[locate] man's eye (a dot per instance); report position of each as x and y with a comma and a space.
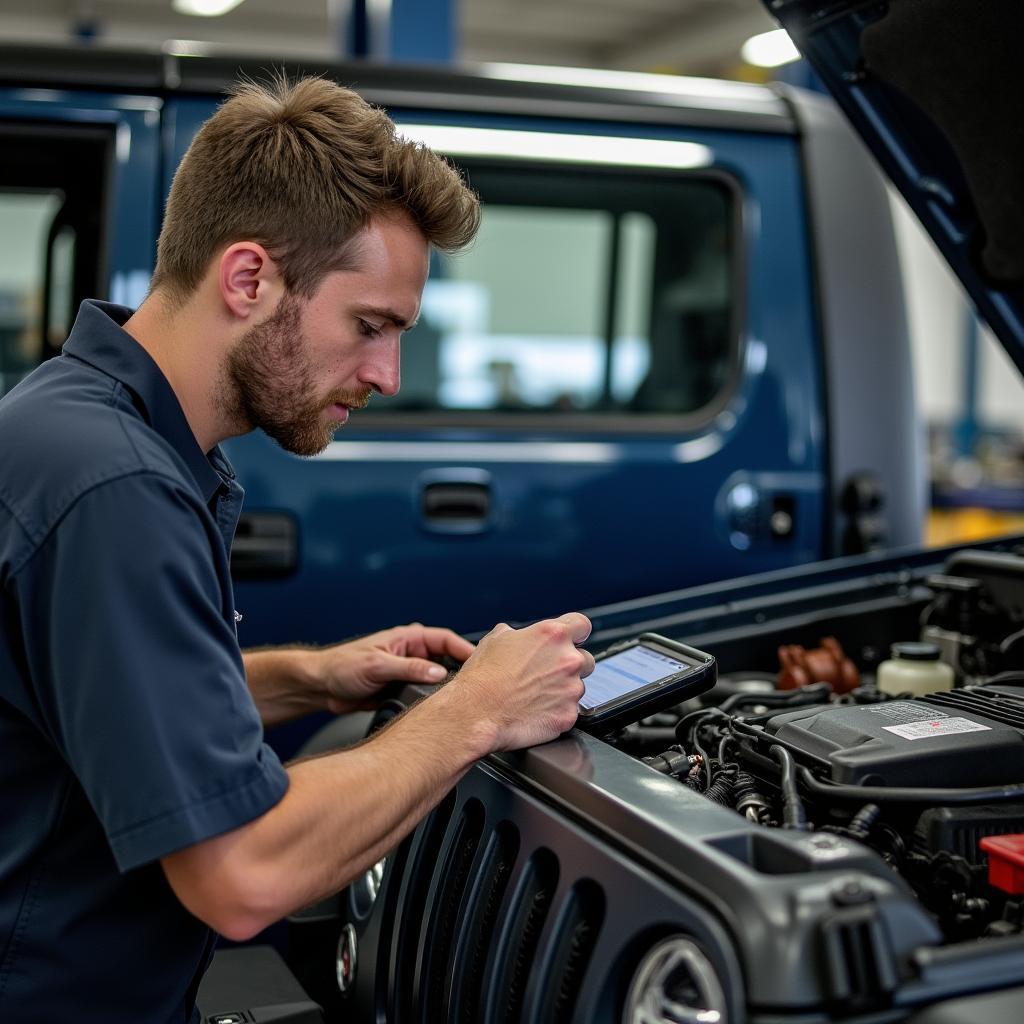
370, 330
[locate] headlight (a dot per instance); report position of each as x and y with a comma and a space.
675, 983
364, 889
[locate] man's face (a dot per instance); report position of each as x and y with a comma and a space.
299, 372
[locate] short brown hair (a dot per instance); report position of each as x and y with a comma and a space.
301, 167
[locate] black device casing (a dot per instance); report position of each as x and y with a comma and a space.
663, 693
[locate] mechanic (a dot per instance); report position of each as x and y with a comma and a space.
139, 805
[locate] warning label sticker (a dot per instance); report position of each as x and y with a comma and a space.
936, 727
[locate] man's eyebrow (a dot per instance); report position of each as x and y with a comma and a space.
389, 314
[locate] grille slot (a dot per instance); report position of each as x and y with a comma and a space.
576, 935
492, 882
446, 914
860, 962
414, 906
521, 929
999, 707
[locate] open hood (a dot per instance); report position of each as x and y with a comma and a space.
934, 88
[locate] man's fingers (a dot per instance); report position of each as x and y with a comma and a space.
588, 664
579, 625
441, 641
418, 641
414, 670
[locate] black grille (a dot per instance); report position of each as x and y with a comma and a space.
431, 833
578, 928
492, 882
523, 925
454, 880
858, 957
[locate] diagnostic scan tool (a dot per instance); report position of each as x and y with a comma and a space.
634, 679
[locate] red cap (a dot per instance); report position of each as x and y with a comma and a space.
1005, 862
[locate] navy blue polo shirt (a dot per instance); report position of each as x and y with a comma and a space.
126, 727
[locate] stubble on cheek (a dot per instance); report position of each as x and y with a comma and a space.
270, 384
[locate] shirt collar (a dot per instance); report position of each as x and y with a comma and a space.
98, 338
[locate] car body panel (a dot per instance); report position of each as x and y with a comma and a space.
567, 502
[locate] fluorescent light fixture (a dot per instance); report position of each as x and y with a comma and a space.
205, 8
571, 149
185, 48
632, 81
770, 49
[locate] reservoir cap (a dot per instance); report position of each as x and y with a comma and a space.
911, 650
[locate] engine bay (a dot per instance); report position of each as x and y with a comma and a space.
818, 739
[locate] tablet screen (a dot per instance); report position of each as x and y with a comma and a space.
619, 674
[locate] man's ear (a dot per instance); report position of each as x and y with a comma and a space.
249, 279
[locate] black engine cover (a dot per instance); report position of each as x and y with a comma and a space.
906, 743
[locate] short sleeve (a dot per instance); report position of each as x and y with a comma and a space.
138, 673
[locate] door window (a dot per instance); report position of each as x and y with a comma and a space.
584, 292
51, 225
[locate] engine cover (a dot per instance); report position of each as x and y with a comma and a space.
906, 743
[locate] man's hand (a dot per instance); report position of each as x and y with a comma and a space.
354, 672
287, 682
526, 684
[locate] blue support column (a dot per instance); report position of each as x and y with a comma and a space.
966, 430
396, 30
423, 30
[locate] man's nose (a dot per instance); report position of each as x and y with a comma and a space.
383, 372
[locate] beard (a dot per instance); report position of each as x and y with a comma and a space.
271, 384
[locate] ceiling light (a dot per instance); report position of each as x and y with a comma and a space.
635, 81
577, 149
770, 49
185, 48
205, 8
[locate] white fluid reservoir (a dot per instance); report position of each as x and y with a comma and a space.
914, 668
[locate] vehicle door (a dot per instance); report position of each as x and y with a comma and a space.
78, 213
614, 392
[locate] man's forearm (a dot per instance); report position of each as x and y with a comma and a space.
284, 682
341, 814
